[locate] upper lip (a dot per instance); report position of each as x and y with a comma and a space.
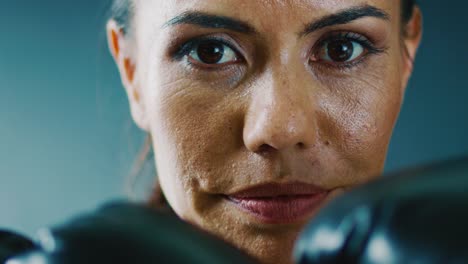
278, 189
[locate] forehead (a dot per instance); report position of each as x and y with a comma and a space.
259, 12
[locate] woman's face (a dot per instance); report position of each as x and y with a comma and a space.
298, 98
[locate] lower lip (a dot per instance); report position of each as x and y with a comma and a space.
280, 210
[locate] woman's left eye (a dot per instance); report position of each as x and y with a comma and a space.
211, 53
343, 49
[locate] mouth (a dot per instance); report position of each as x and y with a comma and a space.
279, 203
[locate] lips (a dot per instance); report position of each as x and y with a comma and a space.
279, 203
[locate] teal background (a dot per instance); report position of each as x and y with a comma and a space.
67, 142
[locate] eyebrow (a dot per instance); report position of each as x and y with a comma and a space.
211, 21
346, 16
206, 20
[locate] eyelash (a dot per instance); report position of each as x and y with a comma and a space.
185, 49
369, 46
370, 49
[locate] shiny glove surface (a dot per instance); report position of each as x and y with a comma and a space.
12, 244
418, 216
129, 233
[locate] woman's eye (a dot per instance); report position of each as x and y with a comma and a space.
212, 53
340, 51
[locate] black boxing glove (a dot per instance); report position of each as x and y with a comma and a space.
419, 216
129, 233
12, 244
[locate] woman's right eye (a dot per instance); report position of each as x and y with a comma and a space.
211, 53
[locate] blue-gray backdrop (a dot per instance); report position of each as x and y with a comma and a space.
66, 138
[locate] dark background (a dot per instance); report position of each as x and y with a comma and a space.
67, 142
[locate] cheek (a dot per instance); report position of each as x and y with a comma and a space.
195, 130
357, 116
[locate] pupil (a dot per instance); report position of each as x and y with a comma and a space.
340, 50
210, 52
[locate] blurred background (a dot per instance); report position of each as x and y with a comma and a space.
67, 142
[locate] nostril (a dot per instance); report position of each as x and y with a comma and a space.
301, 145
265, 148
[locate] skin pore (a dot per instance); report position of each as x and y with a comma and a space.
238, 93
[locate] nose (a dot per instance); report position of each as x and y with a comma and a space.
280, 114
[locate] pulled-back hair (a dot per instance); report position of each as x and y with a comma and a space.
407, 8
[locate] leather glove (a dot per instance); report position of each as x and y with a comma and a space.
129, 233
12, 244
418, 216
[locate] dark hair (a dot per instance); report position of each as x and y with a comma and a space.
122, 12
407, 8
